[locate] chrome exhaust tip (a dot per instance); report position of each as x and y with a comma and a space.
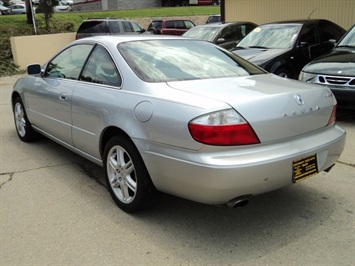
238, 202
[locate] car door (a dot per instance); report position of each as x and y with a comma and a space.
329, 34
98, 84
307, 47
50, 104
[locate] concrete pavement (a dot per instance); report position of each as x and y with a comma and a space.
54, 210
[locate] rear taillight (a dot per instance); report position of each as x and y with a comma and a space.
332, 116
222, 128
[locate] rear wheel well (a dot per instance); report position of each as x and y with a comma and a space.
108, 134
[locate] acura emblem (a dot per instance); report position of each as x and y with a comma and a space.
298, 99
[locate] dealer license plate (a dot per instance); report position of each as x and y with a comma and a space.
304, 168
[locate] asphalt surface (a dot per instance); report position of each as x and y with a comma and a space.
55, 210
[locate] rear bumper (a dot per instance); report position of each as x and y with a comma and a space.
215, 177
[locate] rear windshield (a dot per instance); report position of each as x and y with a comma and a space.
174, 60
93, 27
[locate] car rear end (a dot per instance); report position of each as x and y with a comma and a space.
270, 139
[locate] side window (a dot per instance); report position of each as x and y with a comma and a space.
101, 69
329, 31
136, 27
246, 29
68, 63
170, 24
189, 24
309, 35
180, 24
229, 33
114, 27
127, 27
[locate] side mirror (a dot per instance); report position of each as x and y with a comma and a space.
220, 40
34, 69
303, 44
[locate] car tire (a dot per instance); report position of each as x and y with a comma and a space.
127, 178
282, 72
23, 126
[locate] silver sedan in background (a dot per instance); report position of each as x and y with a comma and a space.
180, 116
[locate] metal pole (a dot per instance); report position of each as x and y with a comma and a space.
33, 17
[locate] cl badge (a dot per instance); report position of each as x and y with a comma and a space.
298, 99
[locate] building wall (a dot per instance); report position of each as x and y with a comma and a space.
115, 4
263, 11
136, 4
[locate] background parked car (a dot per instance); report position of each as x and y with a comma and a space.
67, 2
5, 10
107, 26
18, 9
12, 2
225, 34
336, 70
170, 27
285, 47
58, 8
213, 19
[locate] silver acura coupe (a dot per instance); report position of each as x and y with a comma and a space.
180, 116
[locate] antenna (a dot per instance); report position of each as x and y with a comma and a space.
311, 13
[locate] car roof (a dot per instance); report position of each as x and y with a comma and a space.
222, 24
159, 20
297, 21
98, 19
116, 39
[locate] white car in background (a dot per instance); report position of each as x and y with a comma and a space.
67, 2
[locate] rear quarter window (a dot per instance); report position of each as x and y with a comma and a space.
330, 31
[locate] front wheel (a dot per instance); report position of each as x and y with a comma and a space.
282, 72
127, 178
23, 126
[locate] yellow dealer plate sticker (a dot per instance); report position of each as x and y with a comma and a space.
304, 168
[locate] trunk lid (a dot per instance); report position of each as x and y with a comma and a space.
275, 107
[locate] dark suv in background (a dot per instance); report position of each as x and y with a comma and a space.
285, 47
107, 26
170, 27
